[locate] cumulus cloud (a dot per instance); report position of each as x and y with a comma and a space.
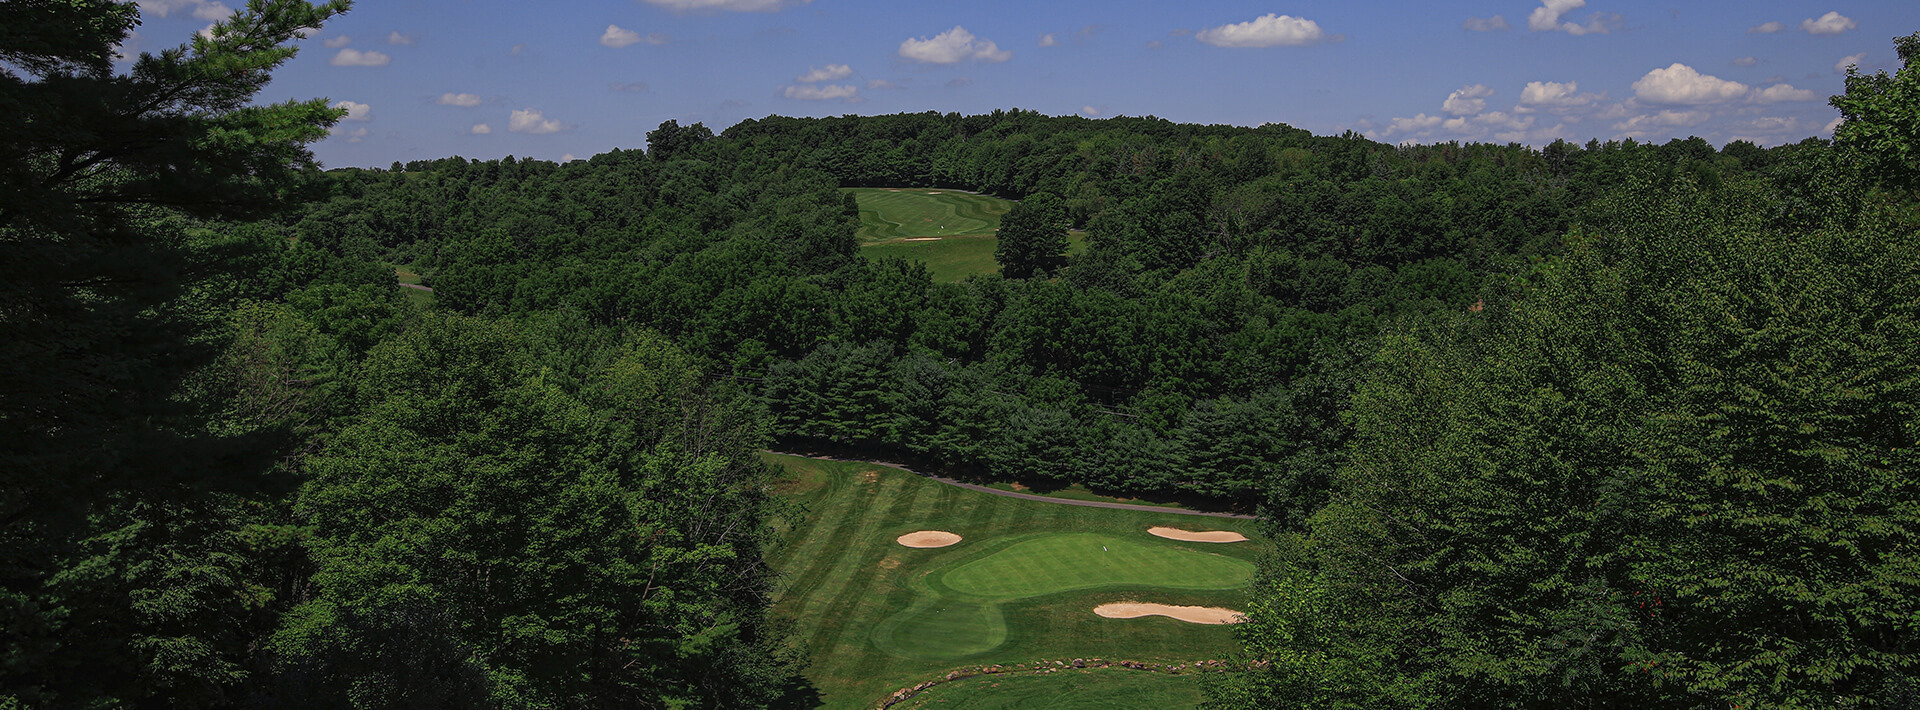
356, 111
397, 38
566, 158
635, 87
1411, 125
822, 92
1832, 23
1468, 99
464, 100
729, 5
1746, 61
1487, 24
952, 47
199, 9
1766, 28
481, 129
336, 42
1048, 40
1781, 92
617, 36
350, 57
1091, 111
529, 120
1546, 18
1267, 30
1833, 124
1651, 122
1850, 60
1555, 97
1680, 84
832, 72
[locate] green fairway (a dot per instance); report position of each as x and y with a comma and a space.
951, 231
1071, 689
1020, 586
906, 213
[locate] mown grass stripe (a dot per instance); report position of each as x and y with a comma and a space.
853, 544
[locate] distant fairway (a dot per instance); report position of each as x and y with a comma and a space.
904, 213
1020, 586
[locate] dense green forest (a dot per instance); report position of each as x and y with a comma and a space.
1614, 424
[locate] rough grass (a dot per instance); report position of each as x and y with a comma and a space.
1072, 689
877, 616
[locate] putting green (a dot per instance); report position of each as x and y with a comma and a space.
1062, 563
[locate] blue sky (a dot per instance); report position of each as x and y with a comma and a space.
489, 78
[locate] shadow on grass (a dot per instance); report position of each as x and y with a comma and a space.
1035, 485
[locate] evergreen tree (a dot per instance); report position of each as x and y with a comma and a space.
112, 536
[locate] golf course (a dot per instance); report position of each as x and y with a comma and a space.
951, 231
893, 579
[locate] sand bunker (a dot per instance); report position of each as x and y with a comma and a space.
1187, 536
928, 538
1189, 614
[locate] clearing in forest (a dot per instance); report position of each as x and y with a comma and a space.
1018, 587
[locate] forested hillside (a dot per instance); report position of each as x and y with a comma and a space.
1203, 346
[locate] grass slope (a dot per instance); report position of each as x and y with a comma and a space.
1088, 689
877, 616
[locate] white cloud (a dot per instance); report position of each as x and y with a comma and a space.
832, 72
1409, 125
452, 99
1091, 111
1781, 92
356, 111
1833, 125
336, 42
1832, 23
1468, 99
1487, 24
199, 9
1680, 84
128, 48
481, 129
1766, 28
1650, 122
1746, 61
397, 38
566, 158
617, 36
350, 57
732, 5
353, 136
1850, 60
531, 121
1048, 40
822, 92
1267, 30
951, 47
1546, 18
1555, 97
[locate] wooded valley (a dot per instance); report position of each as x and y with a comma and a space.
1612, 424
